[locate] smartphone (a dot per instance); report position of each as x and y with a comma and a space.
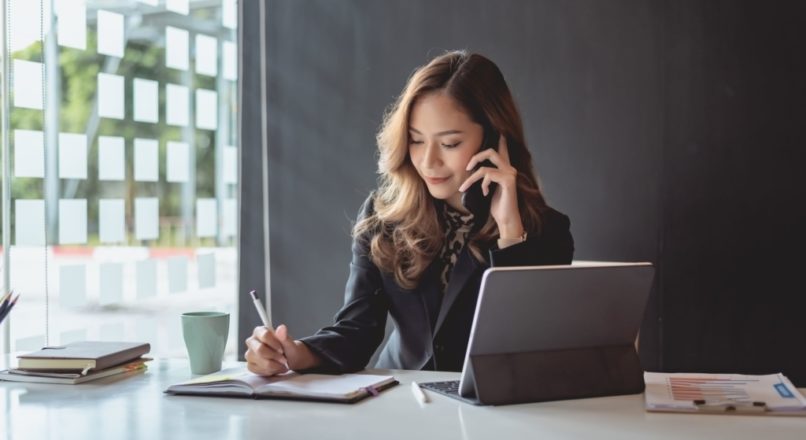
473, 198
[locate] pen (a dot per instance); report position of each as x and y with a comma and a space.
260, 310
422, 399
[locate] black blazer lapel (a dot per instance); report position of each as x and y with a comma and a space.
430, 295
465, 266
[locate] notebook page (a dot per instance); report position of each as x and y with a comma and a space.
322, 385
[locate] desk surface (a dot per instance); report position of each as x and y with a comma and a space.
136, 407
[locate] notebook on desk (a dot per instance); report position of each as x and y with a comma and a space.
239, 382
554, 332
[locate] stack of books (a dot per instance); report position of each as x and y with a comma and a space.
79, 362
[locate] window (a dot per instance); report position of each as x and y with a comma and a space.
123, 169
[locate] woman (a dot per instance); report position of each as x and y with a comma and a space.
418, 253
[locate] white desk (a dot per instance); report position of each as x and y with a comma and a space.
136, 408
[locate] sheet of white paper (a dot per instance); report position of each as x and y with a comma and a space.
29, 153
146, 218
229, 222
146, 100
112, 331
73, 336
72, 23
25, 26
206, 218
29, 222
177, 106
111, 158
176, 48
206, 109
110, 283
206, 55
230, 164
27, 84
146, 278
111, 101
146, 160
73, 285
229, 52
178, 155
180, 6
31, 343
72, 156
111, 222
72, 221
229, 13
110, 33
177, 274
206, 269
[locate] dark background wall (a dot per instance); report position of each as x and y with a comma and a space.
734, 294
667, 130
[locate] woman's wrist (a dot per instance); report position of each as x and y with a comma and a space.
511, 231
507, 242
308, 358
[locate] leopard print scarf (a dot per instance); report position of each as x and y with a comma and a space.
457, 229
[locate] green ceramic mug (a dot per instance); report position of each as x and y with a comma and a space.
205, 336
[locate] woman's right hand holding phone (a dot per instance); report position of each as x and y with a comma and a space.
275, 352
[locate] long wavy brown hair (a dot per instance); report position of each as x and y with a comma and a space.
404, 231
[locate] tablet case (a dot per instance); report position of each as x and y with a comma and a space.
557, 374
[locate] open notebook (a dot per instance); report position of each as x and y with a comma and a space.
239, 382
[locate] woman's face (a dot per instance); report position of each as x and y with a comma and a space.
442, 139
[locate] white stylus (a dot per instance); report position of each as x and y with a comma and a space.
261, 311
419, 394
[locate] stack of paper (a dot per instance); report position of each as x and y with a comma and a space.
698, 392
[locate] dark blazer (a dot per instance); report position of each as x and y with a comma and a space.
431, 330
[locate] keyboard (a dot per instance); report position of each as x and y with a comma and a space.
449, 388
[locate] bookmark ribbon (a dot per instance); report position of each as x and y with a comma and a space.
372, 391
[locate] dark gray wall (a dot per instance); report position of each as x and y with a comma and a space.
667, 130
733, 289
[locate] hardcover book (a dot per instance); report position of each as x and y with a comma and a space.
84, 356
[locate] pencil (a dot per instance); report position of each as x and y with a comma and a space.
7, 309
4, 302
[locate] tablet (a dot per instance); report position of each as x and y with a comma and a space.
554, 332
